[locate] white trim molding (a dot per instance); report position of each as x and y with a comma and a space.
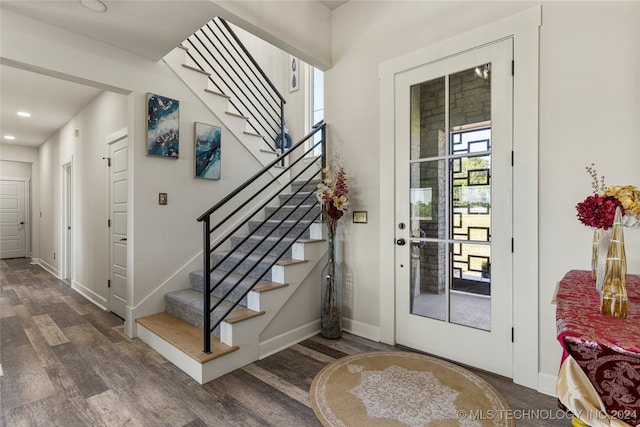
523, 28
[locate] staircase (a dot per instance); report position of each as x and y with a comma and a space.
247, 275
257, 256
249, 266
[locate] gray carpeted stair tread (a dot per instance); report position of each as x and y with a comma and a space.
310, 186
186, 304
260, 245
280, 228
306, 197
196, 282
292, 212
257, 266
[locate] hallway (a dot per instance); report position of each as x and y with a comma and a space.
66, 362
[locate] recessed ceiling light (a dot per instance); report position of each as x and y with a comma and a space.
24, 114
9, 137
95, 5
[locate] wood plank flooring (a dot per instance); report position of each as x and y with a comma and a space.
66, 362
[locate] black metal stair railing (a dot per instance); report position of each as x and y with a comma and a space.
239, 202
217, 50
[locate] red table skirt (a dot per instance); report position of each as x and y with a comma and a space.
606, 348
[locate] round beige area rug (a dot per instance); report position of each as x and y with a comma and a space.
393, 388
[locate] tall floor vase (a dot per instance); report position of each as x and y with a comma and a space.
331, 294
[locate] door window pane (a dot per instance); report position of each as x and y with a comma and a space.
428, 279
428, 199
428, 114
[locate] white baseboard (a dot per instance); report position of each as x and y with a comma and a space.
51, 269
35, 261
89, 294
547, 384
286, 340
360, 329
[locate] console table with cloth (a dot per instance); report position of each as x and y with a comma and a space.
599, 378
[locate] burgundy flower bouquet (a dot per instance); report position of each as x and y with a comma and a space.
598, 212
599, 209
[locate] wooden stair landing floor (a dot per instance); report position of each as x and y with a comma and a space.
184, 336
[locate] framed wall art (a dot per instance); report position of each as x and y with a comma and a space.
163, 126
294, 75
207, 151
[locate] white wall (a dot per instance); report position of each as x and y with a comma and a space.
15, 169
589, 109
26, 156
588, 112
101, 117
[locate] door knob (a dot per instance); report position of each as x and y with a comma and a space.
401, 242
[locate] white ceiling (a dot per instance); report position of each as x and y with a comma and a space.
145, 27
148, 28
52, 103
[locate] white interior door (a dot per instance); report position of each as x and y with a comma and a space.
13, 240
67, 229
118, 226
454, 207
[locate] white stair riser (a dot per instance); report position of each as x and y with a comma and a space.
193, 78
216, 102
318, 231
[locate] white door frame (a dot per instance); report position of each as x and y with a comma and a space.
523, 28
27, 211
66, 263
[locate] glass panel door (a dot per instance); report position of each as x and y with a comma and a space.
448, 297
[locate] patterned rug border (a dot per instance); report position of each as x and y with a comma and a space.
324, 414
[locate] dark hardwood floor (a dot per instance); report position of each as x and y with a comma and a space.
66, 362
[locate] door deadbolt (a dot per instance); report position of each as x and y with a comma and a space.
400, 242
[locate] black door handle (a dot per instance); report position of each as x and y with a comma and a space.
22, 223
401, 242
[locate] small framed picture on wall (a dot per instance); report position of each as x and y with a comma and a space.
294, 80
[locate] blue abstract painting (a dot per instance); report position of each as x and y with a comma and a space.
163, 126
207, 140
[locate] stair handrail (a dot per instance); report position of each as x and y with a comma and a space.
205, 218
249, 100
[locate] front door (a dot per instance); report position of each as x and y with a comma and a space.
13, 240
453, 207
118, 226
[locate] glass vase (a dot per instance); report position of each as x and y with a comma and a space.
602, 250
331, 294
613, 299
597, 234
